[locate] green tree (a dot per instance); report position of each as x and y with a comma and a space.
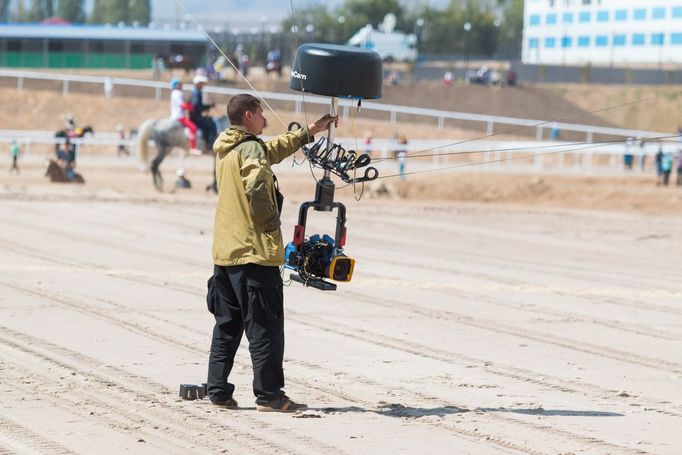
511, 31
109, 12
141, 11
71, 10
373, 11
98, 12
116, 11
40, 9
4, 10
22, 14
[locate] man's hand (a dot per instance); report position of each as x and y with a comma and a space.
322, 124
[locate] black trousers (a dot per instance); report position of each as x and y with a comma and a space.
247, 298
208, 130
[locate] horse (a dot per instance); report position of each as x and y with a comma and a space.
57, 173
167, 134
75, 132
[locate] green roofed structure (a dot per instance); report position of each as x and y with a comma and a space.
96, 46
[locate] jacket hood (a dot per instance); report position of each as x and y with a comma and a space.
230, 138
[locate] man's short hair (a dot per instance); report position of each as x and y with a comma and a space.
239, 105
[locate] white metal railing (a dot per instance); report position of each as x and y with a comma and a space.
109, 88
437, 153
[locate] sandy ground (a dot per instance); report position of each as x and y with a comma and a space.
510, 314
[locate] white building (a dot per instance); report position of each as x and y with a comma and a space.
602, 32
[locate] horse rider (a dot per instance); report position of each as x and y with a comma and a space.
204, 123
180, 111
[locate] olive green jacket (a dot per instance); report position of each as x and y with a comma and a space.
247, 227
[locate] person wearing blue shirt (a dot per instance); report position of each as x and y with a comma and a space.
205, 124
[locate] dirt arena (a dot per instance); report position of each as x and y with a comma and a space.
508, 314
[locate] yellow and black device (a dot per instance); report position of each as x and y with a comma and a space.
341, 269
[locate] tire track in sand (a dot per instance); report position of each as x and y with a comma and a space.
527, 426
175, 342
511, 372
16, 438
129, 397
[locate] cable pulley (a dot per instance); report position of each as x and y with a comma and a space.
337, 160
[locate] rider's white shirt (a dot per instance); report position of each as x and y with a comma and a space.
176, 102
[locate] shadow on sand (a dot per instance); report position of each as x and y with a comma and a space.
398, 410
552, 412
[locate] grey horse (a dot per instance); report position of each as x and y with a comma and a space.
166, 134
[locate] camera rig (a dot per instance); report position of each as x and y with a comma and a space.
330, 70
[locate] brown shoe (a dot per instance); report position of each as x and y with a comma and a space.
230, 403
281, 404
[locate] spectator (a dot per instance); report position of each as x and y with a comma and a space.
122, 148
679, 168
642, 156
368, 142
628, 156
156, 67
511, 77
659, 165
666, 167
244, 64
448, 79
402, 155
14, 152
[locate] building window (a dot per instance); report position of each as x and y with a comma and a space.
601, 41
639, 14
587, 2
638, 39
583, 41
550, 43
551, 19
658, 13
676, 38
677, 12
585, 16
566, 41
534, 19
602, 16
568, 18
619, 40
657, 39
533, 43
621, 15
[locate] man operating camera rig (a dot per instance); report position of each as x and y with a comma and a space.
245, 293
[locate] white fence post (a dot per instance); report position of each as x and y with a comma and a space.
489, 128
157, 93
394, 117
441, 122
65, 87
20, 84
